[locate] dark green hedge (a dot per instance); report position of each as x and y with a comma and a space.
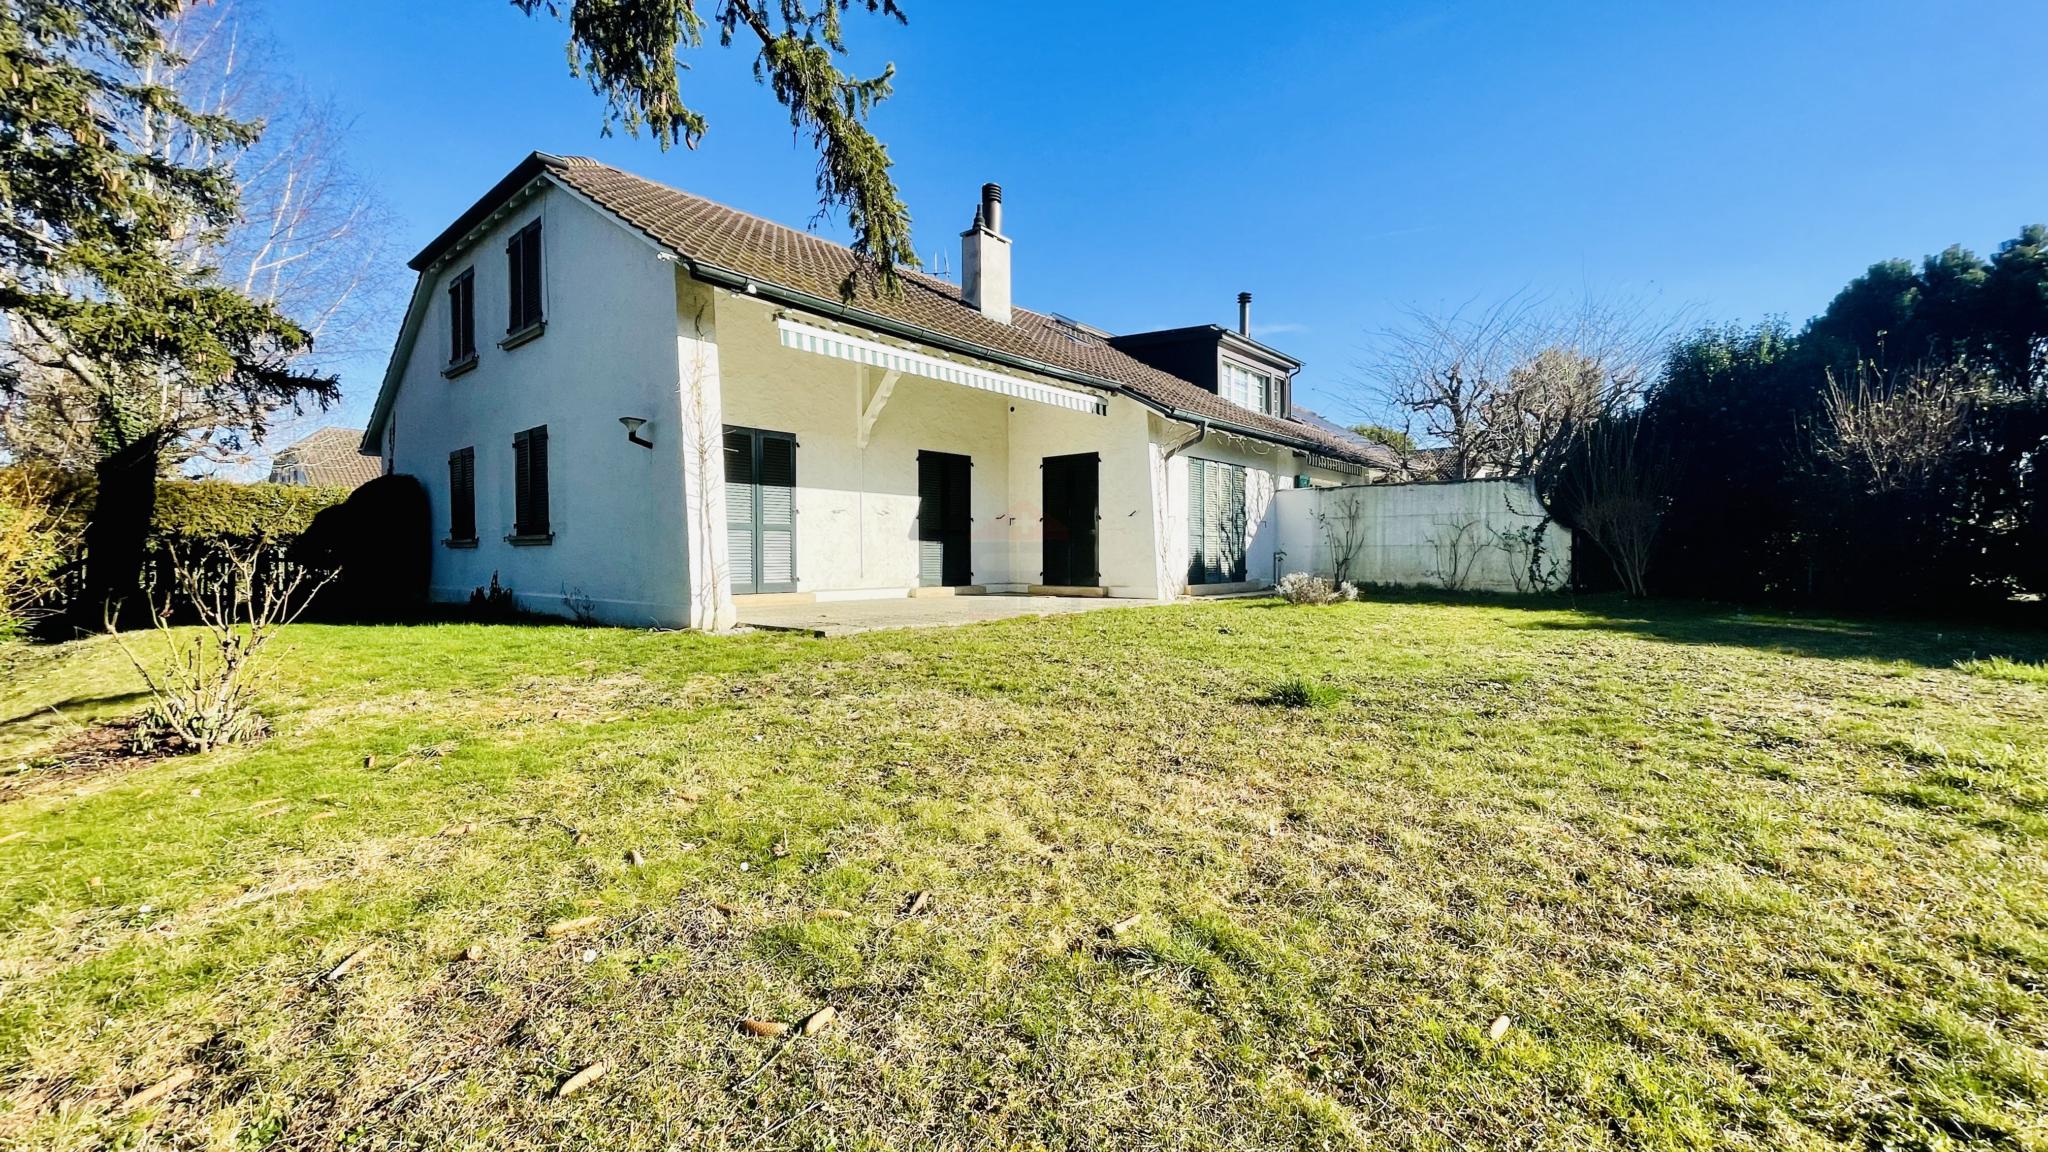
198, 510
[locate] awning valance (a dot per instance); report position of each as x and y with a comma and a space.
826, 342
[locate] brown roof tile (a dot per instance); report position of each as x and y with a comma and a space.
326, 458
708, 232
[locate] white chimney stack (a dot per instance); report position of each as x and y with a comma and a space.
985, 259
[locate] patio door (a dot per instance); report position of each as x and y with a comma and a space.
1215, 522
1072, 485
944, 489
760, 510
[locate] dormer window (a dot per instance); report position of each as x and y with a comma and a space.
1246, 388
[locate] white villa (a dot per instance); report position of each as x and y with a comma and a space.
636, 403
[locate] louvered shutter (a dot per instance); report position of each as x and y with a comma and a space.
515, 291
1195, 518
537, 481
522, 482
530, 278
1233, 520
739, 510
462, 494
778, 513
931, 519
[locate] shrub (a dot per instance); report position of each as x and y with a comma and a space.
494, 603
1298, 692
191, 512
35, 539
202, 683
379, 544
1303, 588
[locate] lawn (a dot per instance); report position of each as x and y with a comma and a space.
1398, 874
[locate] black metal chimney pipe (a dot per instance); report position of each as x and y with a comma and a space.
992, 207
1244, 313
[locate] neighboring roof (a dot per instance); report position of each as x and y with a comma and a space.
1235, 340
326, 458
1382, 456
724, 245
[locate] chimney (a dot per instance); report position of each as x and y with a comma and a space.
1244, 314
985, 259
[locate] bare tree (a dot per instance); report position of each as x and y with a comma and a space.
311, 237
1505, 387
1895, 429
1615, 488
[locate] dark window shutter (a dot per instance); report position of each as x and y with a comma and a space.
514, 293
522, 483
537, 480
530, 277
1195, 520
462, 494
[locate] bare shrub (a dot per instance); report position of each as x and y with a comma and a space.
1896, 429
1457, 544
1342, 519
1303, 588
202, 681
1615, 489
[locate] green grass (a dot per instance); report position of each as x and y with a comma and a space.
1734, 881
2006, 668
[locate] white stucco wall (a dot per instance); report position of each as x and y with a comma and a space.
856, 522
609, 350
1474, 534
1269, 471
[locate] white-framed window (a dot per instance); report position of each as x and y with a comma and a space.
1246, 388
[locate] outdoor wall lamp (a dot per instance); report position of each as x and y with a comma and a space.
633, 425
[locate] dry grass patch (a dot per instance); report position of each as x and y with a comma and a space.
1729, 881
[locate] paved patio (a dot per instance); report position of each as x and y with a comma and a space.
846, 617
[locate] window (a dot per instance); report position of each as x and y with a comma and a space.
462, 496
760, 510
530, 486
1216, 522
462, 318
522, 277
1246, 388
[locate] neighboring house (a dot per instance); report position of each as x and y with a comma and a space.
630, 398
1385, 463
327, 458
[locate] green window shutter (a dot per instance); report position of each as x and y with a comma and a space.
739, 510
522, 483
537, 480
1195, 488
778, 512
1233, 523
462, 494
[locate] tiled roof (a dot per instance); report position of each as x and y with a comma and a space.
326, 458
772, 254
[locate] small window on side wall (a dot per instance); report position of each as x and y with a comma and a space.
523, 280
530, 486
462, 318
462, 497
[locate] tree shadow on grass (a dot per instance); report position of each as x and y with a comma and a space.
2020, 633
61, 711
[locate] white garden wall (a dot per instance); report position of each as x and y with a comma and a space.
1473, 534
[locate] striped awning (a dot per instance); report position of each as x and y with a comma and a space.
826, 342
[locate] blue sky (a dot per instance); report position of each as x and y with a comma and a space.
1340, 161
